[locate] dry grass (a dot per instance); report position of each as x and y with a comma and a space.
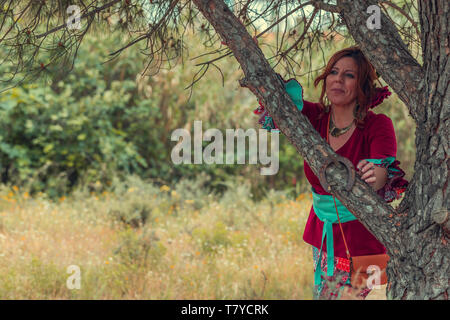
144, 242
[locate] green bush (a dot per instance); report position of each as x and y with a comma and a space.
99, 121
139, 249
211, 240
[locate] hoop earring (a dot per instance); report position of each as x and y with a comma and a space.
356, 110
327, 104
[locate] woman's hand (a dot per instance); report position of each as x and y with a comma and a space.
373, 175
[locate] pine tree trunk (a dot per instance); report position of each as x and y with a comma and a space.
420, 267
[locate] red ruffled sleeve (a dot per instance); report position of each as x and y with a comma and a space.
395, 184
383, 148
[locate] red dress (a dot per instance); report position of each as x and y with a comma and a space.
375, 141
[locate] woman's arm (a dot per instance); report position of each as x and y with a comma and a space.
374, 175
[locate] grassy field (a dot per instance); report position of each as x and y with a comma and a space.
139, 241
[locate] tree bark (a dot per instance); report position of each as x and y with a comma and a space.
418, 246
421, 267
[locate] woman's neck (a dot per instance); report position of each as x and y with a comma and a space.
343, 115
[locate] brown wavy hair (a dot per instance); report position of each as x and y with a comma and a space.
366, 76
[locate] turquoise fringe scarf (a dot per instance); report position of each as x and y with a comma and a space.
326, 212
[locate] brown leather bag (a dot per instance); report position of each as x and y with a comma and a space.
360, 265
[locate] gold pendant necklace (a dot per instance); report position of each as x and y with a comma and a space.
336, 132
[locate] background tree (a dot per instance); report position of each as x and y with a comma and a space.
410, 55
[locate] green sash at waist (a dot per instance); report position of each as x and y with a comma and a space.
326, 212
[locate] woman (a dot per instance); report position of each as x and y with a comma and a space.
367, 140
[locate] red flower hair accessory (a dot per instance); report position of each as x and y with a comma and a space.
380, 95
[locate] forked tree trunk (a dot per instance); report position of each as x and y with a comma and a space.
416, 235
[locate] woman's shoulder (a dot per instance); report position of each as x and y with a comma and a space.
312, 105
378, 121
380, 134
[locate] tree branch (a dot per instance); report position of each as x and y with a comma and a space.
406, 15
325, 6
302, 36
154, 29
15, 21
435, 21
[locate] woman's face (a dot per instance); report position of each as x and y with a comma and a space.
341, 82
